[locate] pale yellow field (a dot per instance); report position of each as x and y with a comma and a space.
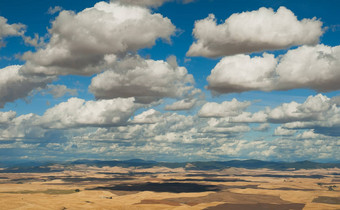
143, 189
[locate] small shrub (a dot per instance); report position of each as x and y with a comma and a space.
330, 188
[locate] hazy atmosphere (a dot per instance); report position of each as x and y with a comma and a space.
170, 80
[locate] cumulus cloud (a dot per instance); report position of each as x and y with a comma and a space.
308, 135
152, 126
147, 117
80, 113
279, 131
336, 100
318, 112
184, 104
312, 109
14, 84
224, 126
253, 31
285, 147
60, 90
313, 67
53, 10
263, 127
71, 118
22, 127
148, 133
225, 109
36, 41
287, 112
310, 67
146, 80
240, 73
232, 112
191, 136
248, 117
5, 117
151, 130
83, 43
16, 29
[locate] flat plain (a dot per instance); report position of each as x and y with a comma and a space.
87, 187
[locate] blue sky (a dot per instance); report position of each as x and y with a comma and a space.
169, 80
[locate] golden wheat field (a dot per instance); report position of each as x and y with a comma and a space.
83, 187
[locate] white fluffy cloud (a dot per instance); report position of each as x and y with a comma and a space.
85, 42
36, 41
104, 38
72, 117
336, 100
147, 117
287, 112
232, 113
21, 127
53, 10
225, 109
14, 84
223, 125
60, 90
149, 132
318, 112
284, 148
5, 117
152, 126
279, 131
248, 117
314, 108
80, 113
146, 80
82, 44
184, 104
315, 67
262, 127
240, 73
308, 135
16, 29
253, 31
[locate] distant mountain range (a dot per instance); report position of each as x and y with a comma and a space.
198, 165
211, 165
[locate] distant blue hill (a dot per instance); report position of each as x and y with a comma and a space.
41, 167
